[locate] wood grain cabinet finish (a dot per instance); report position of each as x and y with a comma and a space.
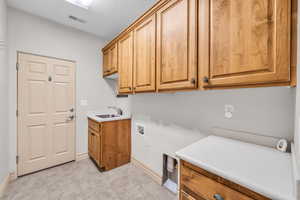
177, 45
185, 196
110, 60
125, 61
207, 44
144, 56
113, 58
110, 146
249, 42
198, 184
106, 62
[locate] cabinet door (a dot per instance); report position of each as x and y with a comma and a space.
250, 42
177, 45
97, 148
113, 58
125, 60
91, 144
106, 62
144, 56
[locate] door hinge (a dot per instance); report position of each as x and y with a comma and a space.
17, 159
17, 113
17, 66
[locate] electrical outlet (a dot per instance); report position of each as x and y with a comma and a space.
140, 129
229, 109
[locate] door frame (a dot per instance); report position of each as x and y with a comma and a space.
17, 106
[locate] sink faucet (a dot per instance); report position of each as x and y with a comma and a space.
119, 110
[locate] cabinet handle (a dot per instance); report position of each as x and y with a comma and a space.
206, 79
193, 81
92, 134
130, 88
218, 197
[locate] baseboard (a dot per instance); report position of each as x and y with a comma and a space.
157, 178
82, 156
4, 184
13, 176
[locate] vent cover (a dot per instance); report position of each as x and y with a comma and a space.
77, 19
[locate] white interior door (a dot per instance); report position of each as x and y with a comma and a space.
46, 104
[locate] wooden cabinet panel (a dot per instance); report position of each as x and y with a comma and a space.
110, 147
204, 185
116, 143
94, 125
207, 188
90, 144
106, 62
113, 51
125, 61
249, 42
177, 45
144, 56
94, 145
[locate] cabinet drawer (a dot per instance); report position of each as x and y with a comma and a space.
208, 188
95, 126
185, 196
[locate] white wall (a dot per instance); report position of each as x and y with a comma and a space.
31, 34
173, 121
4, 93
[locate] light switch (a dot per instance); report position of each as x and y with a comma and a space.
83, 102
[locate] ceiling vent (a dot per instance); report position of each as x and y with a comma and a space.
77, 19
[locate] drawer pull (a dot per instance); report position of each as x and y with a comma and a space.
205, 79
218, 197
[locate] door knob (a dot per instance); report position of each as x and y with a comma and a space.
70, 118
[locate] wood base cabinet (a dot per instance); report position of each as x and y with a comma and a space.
198, 184
109, 143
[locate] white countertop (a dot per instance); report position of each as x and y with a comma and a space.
92, 115
258, 168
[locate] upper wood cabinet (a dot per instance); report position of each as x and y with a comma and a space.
249, 42
144, 56
177, 45
125, 61
106, 62
113, 58
207, 44
110, 60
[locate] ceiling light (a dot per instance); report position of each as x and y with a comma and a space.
81, 3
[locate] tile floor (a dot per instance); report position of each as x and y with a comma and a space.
82, 181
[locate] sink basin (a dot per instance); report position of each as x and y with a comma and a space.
107, 116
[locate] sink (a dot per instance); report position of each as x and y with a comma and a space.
107, 116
